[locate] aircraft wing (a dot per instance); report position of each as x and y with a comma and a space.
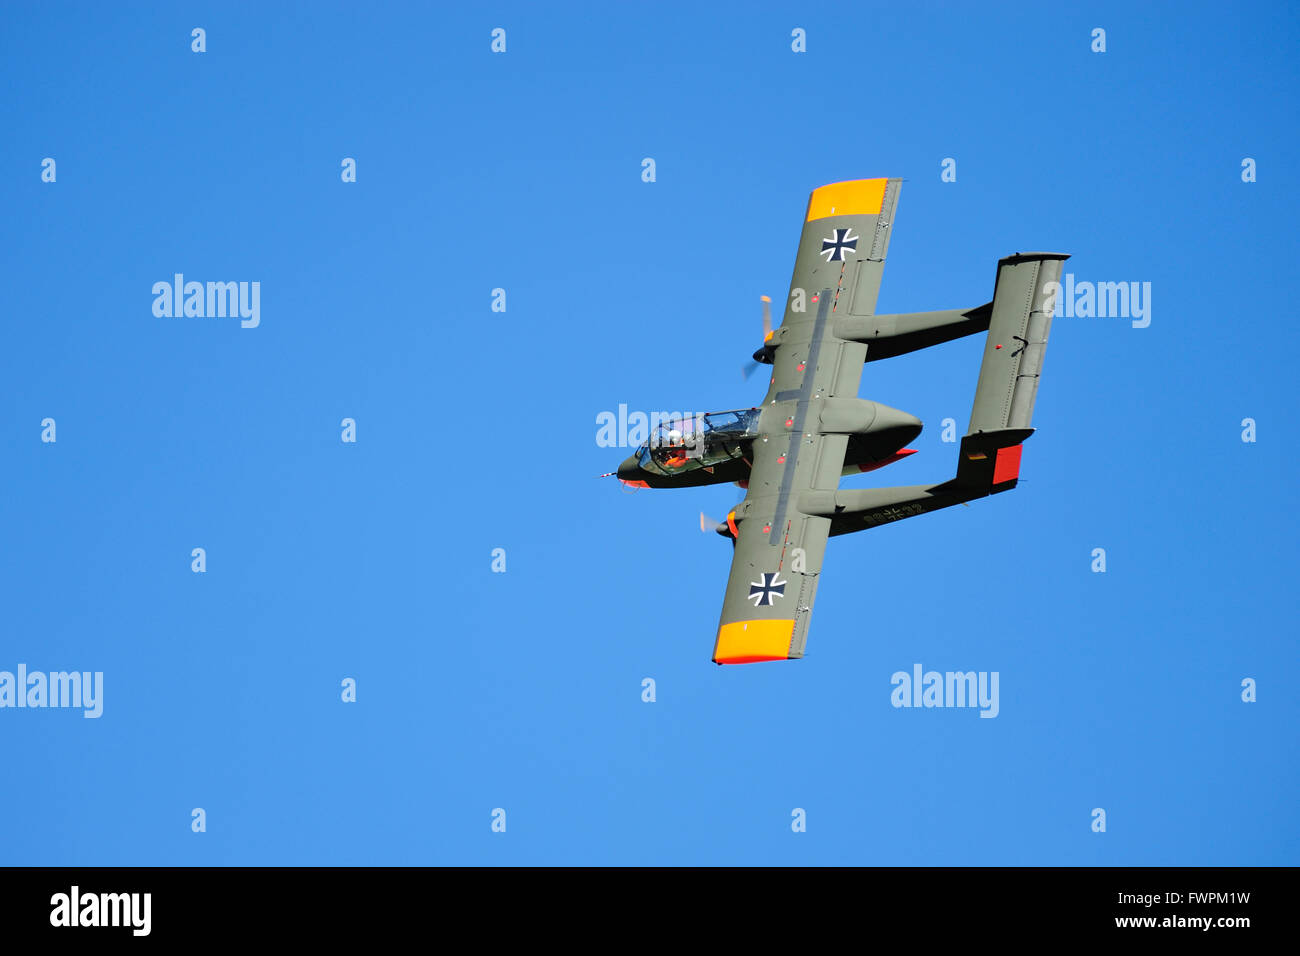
779, 549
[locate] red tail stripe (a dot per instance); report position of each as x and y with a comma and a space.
1007, 465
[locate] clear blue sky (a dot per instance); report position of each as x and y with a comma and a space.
477, 430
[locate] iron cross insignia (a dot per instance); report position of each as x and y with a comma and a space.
842, 242
766, 591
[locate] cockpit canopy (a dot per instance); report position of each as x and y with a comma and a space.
701, 441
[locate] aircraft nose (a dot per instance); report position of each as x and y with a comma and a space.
630, 469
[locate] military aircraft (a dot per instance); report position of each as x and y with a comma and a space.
790, 452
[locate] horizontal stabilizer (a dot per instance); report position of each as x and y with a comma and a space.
1017, 340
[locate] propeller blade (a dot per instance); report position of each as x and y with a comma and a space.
749, 368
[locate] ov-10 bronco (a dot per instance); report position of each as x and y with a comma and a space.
790, 452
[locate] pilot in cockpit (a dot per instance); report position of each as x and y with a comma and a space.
675, 456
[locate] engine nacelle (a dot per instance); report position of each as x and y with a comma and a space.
857, 416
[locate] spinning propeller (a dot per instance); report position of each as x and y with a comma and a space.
723, 528
749, 368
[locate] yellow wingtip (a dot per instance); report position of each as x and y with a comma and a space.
748, 642
856, 197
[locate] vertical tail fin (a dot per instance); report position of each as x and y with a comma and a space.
1013, 360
